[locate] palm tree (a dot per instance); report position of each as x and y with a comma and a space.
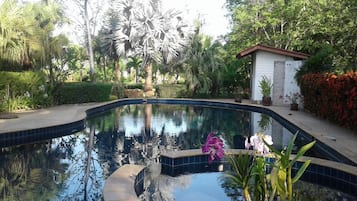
146, 31
39, 39
25, 31
12, 41
134, 62
107, 35
202, 64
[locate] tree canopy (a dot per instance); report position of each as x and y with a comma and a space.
300, 25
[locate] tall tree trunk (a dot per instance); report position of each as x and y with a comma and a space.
104, 68
148, 80
136, 75
117, 69
89, 41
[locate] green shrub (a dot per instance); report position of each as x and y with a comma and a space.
23, 90
134, 86
118, 90
70, 93
170, 90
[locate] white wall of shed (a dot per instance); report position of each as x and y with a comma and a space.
263, 64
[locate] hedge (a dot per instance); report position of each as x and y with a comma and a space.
83, 92
134, 86
332, 97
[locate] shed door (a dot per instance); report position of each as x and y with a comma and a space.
278, 83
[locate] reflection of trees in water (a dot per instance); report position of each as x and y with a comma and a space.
74, 167
227, 123
231, 189
199, 120
161, 187
31, 172
85, 174
174, 113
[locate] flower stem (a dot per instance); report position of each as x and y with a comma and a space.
290, 186
246, 194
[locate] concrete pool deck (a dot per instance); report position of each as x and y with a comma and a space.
341, 139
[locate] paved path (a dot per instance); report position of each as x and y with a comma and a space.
340, 139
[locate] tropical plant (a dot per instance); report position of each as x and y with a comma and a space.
135, 62
293, 98
203, 65
282, 179
266, 86
12, 42
25, 31
107, 41
241, 172
75, 55
144, 30
249, 171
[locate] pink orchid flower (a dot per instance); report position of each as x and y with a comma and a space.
213, 146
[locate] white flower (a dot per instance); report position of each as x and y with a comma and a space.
256, 141
27, 94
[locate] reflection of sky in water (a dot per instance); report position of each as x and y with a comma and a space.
134, 125
205, 186
76, 171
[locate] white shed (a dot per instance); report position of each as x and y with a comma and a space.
277, 64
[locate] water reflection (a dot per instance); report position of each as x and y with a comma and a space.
75, 167
214, 186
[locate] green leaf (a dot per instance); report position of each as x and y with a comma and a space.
301, 171
286, 157
302, 151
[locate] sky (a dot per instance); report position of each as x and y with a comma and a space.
211, 11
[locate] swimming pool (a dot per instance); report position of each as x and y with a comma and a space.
77, 158
213, 187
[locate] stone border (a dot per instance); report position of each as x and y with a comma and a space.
120, 186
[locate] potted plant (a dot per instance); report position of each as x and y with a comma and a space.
293, 99
266, 86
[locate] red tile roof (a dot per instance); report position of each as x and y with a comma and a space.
251, 50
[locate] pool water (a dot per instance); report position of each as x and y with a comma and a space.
74, 167
211, 187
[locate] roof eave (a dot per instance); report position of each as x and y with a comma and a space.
251, 50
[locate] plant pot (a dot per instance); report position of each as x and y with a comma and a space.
294, 106
266, 101
238, 99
